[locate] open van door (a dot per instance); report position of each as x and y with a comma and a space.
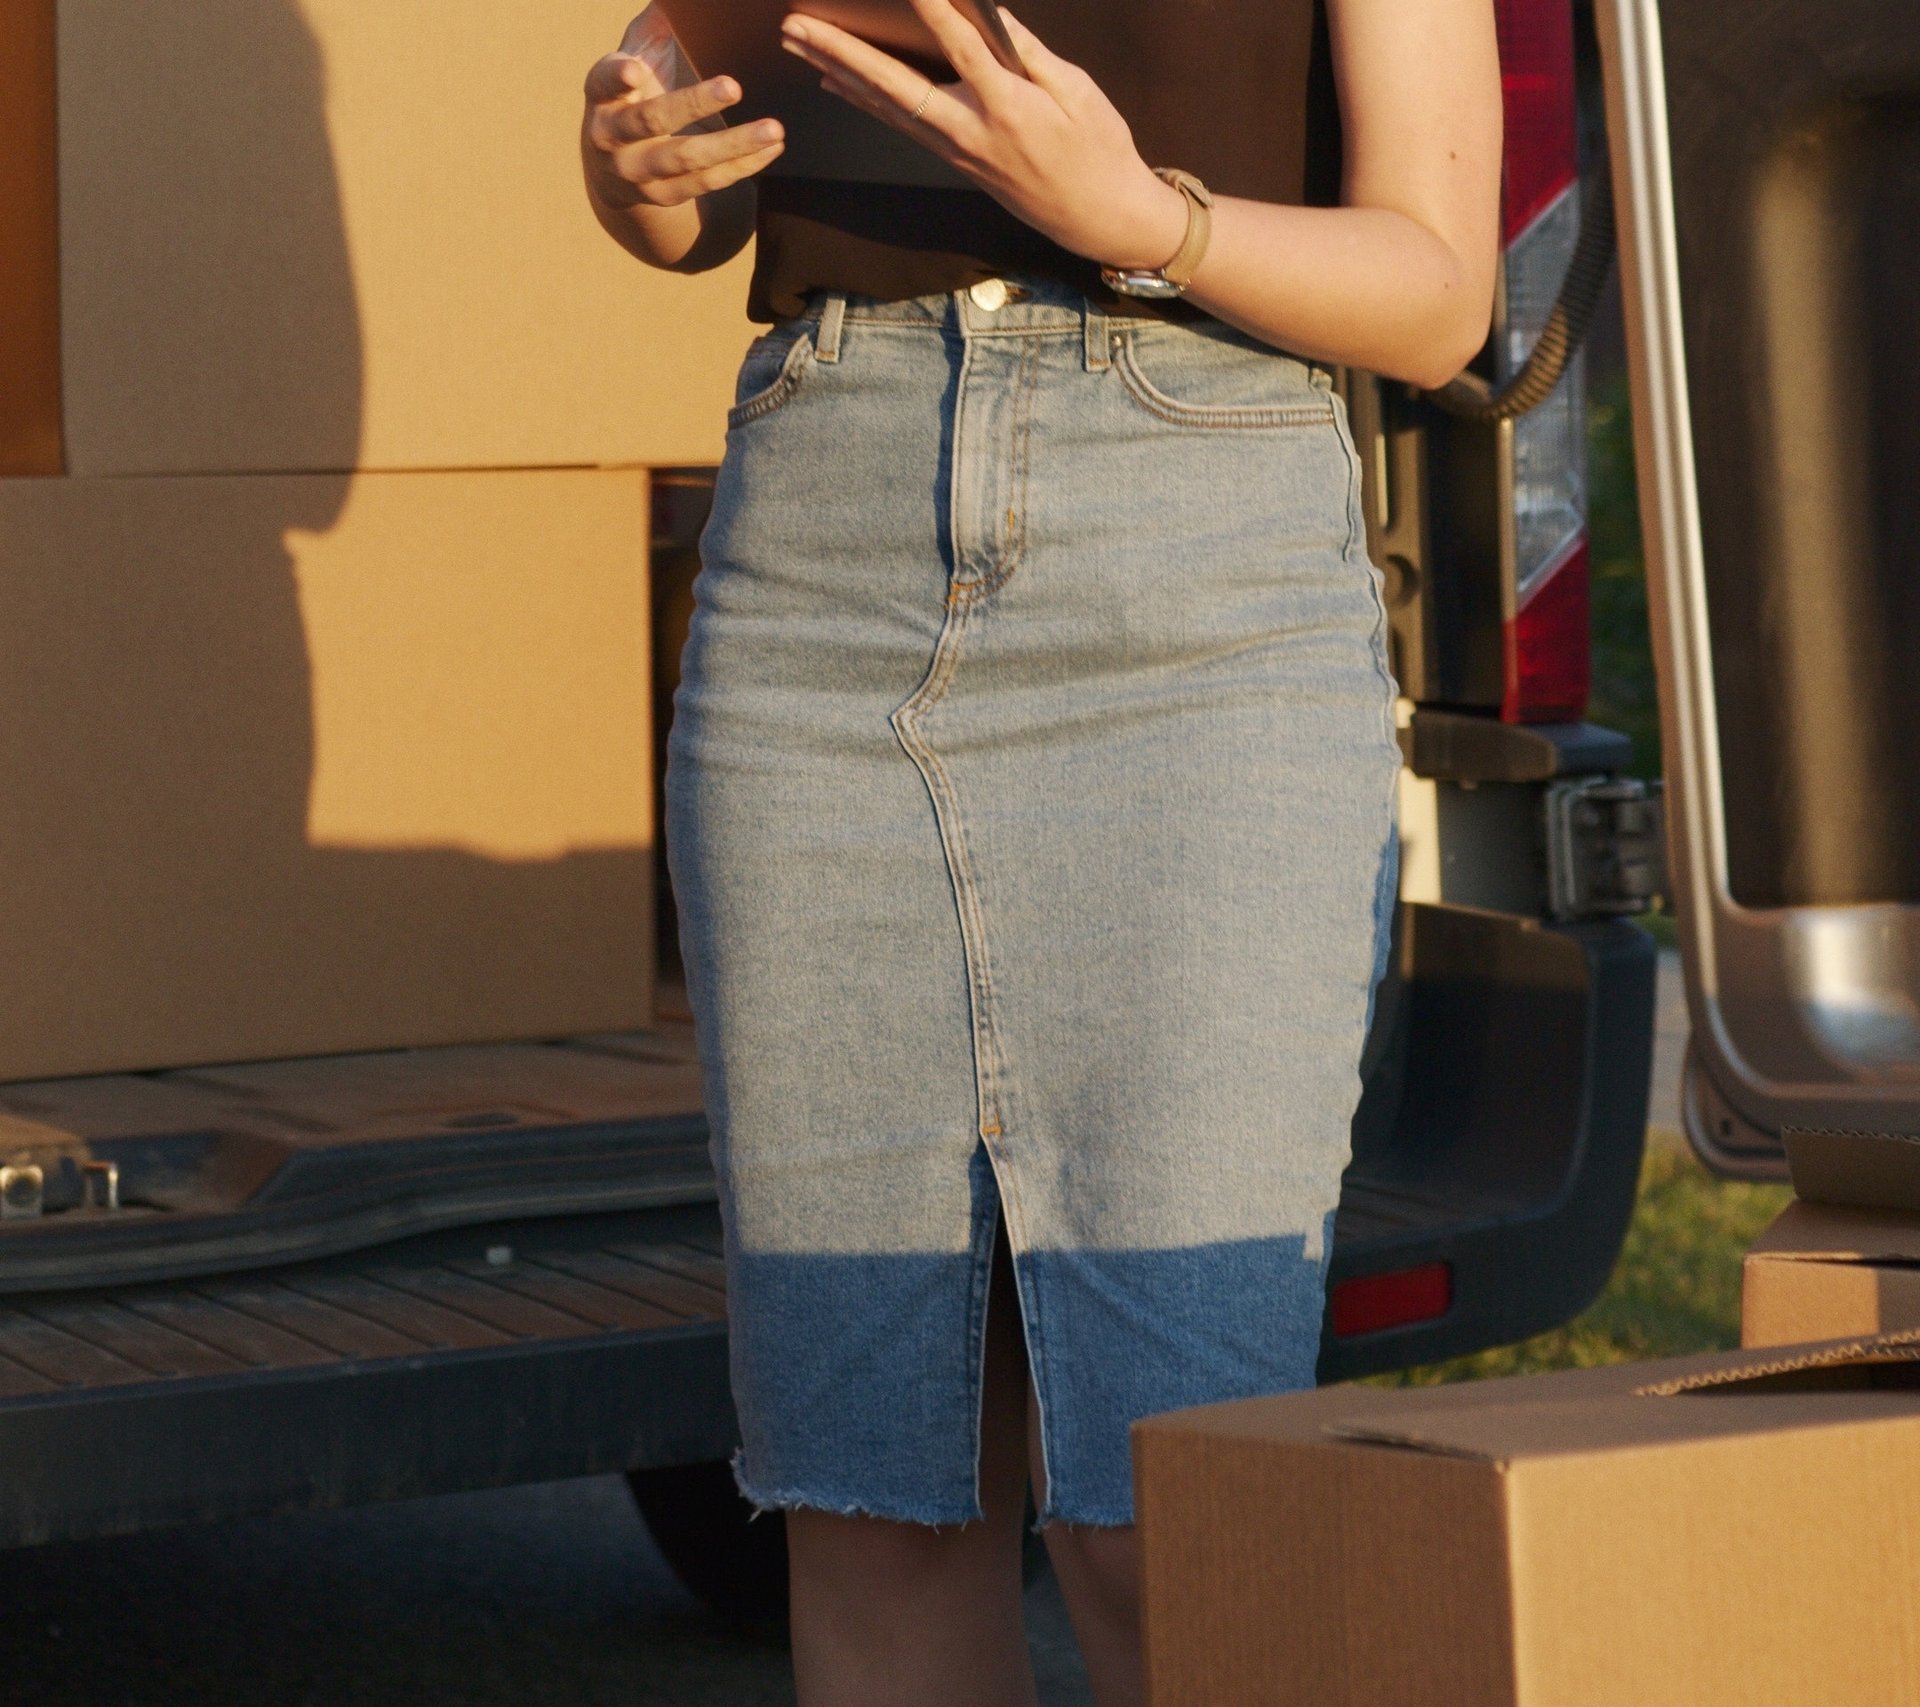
1767, 171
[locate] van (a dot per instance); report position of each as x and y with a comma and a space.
351, 484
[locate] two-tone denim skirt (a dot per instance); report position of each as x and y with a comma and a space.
1030, 811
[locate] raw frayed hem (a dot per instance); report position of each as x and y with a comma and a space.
764, 1500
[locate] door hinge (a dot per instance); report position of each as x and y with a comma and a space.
1606, 846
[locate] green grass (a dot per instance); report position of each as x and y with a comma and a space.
1675, 1289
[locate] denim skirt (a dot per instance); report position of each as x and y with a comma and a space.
1030, 809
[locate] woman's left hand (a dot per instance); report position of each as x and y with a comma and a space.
1054, 150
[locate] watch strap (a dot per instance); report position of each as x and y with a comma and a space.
1180, 270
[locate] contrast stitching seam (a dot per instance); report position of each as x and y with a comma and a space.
948, 818
1230, 415
777, 393
1016, 547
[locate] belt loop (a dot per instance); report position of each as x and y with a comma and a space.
1098, 356
826, 341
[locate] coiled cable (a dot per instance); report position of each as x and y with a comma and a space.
1471, 398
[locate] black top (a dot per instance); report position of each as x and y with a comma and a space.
1241, 95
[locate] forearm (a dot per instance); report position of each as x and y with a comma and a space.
1362, 286
689, 237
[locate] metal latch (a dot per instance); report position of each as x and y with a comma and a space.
27, 1192
1606, 846
23, 1191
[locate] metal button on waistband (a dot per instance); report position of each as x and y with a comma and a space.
989, 294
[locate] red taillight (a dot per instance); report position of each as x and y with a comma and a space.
1549, 647
1370, 1302
1545, 644
1537, 79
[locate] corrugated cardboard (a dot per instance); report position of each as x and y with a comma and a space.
1871, 1170
29, 243
1820, 1272
1705, 1532
297, 765
332, 234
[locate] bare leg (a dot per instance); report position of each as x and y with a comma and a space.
902, 1615
1099, 1572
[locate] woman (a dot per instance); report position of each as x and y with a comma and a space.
1032, 773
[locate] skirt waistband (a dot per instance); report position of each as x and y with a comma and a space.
1007, 302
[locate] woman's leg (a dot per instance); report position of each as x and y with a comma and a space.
1099, 1572
903, 1615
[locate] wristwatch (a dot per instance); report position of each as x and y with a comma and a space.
1173, 278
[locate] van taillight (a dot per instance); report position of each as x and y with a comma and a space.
1370, 1303
1549, 648
1543, 454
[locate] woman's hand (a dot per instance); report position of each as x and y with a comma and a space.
653, 140
1398, 279
1053, 150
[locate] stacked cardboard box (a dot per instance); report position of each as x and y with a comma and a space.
1845, 1258
325, 410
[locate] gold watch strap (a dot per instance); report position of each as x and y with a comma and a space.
1180, 270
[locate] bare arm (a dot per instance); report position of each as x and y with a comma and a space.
667, 178
1399, 279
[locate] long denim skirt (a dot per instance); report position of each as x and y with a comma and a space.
1030, 812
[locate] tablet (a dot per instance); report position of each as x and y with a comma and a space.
826, 136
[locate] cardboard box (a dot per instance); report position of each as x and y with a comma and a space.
1822, 1272
1869, 1170
1705, 1532
331, 234
304, 764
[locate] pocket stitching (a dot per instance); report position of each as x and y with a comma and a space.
1232, 415
782, 387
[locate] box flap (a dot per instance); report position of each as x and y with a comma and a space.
1843, 1382
1825, 1232
1854, 1357
1874, 1170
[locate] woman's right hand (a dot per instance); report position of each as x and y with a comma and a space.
652, 138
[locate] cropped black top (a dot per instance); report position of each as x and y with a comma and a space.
1240, 92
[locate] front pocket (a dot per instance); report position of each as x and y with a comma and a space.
1209, 380
772, 371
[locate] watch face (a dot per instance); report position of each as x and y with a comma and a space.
1140, 282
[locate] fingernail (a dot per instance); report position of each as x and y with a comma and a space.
725, 89
792, 27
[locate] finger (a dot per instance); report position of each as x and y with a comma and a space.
684, 187
667, 115
1046, 68
618, 77
675, 156
960, 40
881, 84
679, 108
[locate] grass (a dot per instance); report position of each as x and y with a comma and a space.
1675, 1289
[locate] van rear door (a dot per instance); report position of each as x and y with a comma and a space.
1767, 171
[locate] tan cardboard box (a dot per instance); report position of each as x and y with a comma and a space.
1869, 1170
308, 235
1823, 1272
1705, 1532
304, 764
